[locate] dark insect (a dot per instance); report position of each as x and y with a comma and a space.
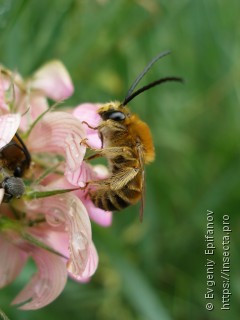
14, 161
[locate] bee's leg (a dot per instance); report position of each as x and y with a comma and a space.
113, 152
101, 138
89, 126
97, 151
94, 156
84, 142
103, 183
110, 152
86, 189
92, 184
115, 126
119, 155
95, 128
118, 181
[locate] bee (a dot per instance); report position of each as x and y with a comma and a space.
15, 159
127, 145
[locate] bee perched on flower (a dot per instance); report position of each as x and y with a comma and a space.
42, 215
126, 143
48, 192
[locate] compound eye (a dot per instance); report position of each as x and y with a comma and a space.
116, 116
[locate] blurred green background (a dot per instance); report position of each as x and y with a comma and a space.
154, 270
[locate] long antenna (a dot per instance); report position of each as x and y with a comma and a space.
141, 75
150, 85
131, 94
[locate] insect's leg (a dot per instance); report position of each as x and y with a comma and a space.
101, 138
84, 142
94, 156
111, 152
89, 126
116, 182
97, 151
95, 128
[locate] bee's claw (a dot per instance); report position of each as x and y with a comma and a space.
83, 142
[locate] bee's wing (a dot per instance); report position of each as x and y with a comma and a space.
120, 179
141, 161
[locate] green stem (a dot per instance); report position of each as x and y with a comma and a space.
43, 194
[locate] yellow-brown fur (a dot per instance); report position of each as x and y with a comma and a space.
128, 146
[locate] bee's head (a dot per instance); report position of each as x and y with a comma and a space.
113, 111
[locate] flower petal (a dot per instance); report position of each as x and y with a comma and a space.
11, 262
3, 105
37, 104
77, 226
101, 217
91, 266
46, 285
58, 240
9, 124
53, 80
101, 171
2, 191
80, 236
92, 263
59, 132
81, 175
74, 152
88, 112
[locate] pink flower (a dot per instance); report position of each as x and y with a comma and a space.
88, 112
63, 216
45, 285
30, 96
53, 81
52, 227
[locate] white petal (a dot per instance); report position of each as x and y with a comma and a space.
2, 191
9, 124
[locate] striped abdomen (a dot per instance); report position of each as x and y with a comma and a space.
107, 199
